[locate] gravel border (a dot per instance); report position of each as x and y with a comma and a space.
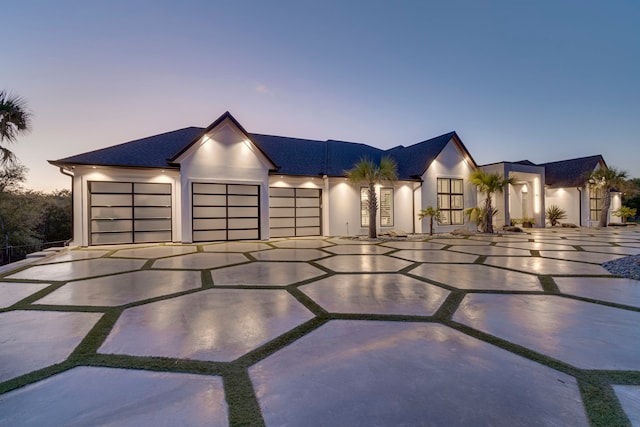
628, 267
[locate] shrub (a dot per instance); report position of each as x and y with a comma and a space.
555, 214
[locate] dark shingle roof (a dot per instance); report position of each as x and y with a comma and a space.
293, 156
572, 172
152, 151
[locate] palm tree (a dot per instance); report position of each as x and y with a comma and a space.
606, 179
488, 184
14, 120
370, 173
432, 213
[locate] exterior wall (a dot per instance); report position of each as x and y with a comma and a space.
223, 156
450, 163
84, 174
342, 207
616, 203
571, 200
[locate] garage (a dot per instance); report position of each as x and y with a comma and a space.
129, 212
225, 212
295, 212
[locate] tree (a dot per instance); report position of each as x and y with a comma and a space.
14, 120
606, 179
370, 173
432, 213
488, 184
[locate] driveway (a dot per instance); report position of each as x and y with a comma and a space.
514, 330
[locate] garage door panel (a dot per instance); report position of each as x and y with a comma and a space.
151, 200
306, 202
307, 231
242, 189
152, 212
111, 225
111, 213
111, 238
281, 212
282, 222
111, 187
302, 212
238, 223
308, 222
210, 224
282, 232
152, 225
209, 212
242, 200
209, 200
147, 188
280, 202
153, 236
244, 234
281, 192
249, 212
201, 188
209, 235
111, 200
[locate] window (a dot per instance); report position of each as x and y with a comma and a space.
386, 207
451, 201
595, 203
364, 207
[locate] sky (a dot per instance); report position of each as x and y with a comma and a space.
537, 80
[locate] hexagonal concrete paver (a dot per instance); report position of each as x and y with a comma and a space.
364, 263
302, 244
358, 249
476, 276
78, 269
73, 255
395, 373
215, 325
491, 250
201, 261
536, 246
586, 335
592, 257
621, 291
33, 340
155, 251
123, 397
376, 294
12, 292
539, 265
236, 247
620, 250
570, 242
265, 274
434, 256
289, 255
349, 241
629, 397
459, 241
123, 288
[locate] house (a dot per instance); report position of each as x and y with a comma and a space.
223, 183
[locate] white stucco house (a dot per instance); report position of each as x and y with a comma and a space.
223, 183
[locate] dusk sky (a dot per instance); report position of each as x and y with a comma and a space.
536, 80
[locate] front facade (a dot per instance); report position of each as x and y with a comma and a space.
222, 183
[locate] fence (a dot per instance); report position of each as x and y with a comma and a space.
9, 254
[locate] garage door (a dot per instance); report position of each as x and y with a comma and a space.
225, 212
129, 212
295, 212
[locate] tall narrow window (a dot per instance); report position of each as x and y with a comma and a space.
386, 207
595, 203
451, 201
364, 207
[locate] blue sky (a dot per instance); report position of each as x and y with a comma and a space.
543, 80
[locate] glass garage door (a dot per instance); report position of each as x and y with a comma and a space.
295, 212
129, 212
225, 212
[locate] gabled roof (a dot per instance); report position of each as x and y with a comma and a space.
293, 156
572, 172
149, 152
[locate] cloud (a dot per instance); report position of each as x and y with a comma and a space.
260, 88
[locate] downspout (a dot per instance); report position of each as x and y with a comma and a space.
63, 172
580, 205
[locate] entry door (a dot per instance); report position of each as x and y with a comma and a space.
225, 212
295, 212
